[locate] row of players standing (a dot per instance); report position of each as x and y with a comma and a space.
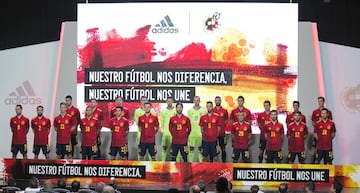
203, 128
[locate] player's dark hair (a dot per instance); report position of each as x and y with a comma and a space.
40, 106
19, 106
119, 107
297, 112
119, 97
62, 103
144, 97
179, 104
325, 109
296, 102
217, 97
337, 186
274, 111
147, 103
268, 102
169, 97
320, 97
68, 97
241, 97
209, 102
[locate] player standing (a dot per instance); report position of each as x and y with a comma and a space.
316, 116
324, 133
73, 111
241, 136
148, 126
98, 114
274, 131
297, 133
119, 132
41, 127
223, 121
210, 128
165, 116
263, 119
90, 130
19, 125
64, 124
195, 140
179, 128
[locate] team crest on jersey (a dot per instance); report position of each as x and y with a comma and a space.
96, 115
22, 122
245, 129
301, 129
43, 123
91, 124
321, 127
205, 121
66, 121
121, 124
278, 129
328, 127
183, 122
150, 120
221, 114
175, 122
237, 128
293, 129
214, 121
72, 113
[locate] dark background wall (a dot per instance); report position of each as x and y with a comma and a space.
26, 22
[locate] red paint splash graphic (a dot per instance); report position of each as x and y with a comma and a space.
115, 51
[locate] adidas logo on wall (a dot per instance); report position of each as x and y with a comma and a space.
165, 26
24, 95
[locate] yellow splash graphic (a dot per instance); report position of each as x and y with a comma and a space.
232, 47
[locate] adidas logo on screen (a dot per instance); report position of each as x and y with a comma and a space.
24, 94
165, 26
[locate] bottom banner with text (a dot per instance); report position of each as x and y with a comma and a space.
133, 172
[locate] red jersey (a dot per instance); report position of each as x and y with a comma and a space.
124, 112
119, 129
274, 132
324, 131
41, 128
89, 130
73, 111
147, 126
19, 127
316, 115
180, 129
234, 113
223, 117
99, 115
296, 133
290, 118
64, 125
209, 125
241, 133
263, 119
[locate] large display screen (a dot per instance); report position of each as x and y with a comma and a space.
185, 50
